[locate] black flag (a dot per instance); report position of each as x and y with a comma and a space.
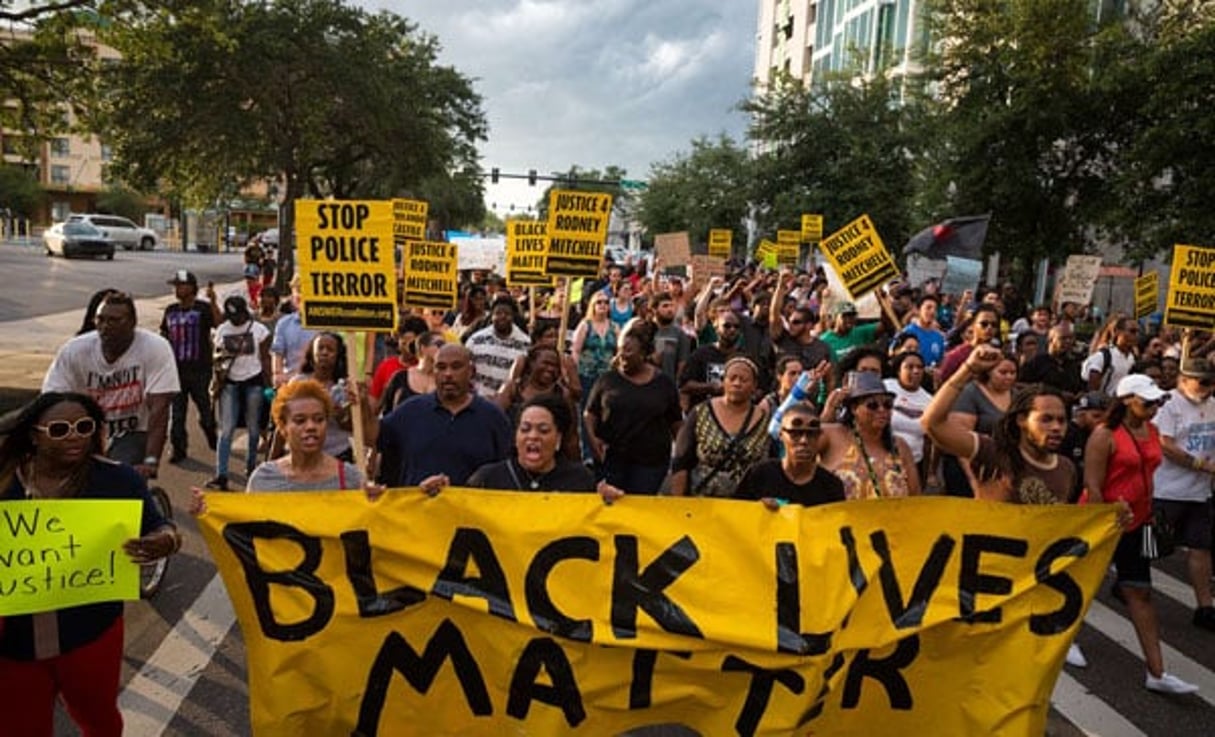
958, 237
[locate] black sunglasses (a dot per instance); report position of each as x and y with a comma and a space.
61, 429
873, 404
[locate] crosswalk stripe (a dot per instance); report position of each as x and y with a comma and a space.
153, 696
1088, 713
1119, 629
1173, 587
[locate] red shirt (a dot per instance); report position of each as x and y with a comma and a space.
384, 373
1128, 476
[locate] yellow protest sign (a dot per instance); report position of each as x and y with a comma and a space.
430, 271
766, 253
526, 247
408, 221
812, 228
859, 257
788, 238
721, 241
1191, 299
1147, 294
553, 614
577, 229
347, 265
66, 552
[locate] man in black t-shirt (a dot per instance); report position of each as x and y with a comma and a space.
797, 478
1089, 412
706, 368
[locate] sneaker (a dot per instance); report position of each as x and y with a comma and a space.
1204, 617
1075, 656
1169, 683
219, 483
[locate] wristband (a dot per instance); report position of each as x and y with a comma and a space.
151, 461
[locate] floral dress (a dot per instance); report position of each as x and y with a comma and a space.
855, 471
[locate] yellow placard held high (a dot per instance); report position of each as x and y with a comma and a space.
812, 228
859, 257
430, 271
551, 614
526, 247
347, 266
766, 253
57, 553
788, 237
577, 230
1191, 299
1147, 294
721, 241
408, 221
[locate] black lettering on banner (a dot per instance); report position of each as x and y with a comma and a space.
856, 574
885, 671
971, 582
472, 544
240, 537
535, 585
1067, 615
544, 652
816, 709
912, 614
396, 656
633, 589
642, 686
789, 637
372, 602
759, 692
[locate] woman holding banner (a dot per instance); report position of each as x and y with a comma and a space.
53, 450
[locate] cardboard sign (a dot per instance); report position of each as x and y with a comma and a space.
961, 274
920, 269
673, 248
347, 265
430, 272
577, 230
408, 221
526, 247
1078, 279
1147, 294
721, 242
58, 553
552, 614
705, 268
1190, 302
859, 257
481, 254
812, 228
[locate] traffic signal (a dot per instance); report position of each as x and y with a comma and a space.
493, 175
531, 177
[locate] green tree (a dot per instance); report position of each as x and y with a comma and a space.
840, 149
698, 190
122, 201
590, 180
327, 99
20, 192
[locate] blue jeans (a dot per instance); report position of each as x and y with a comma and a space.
246, 395
632, 478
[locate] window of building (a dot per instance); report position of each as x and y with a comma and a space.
812, 13
60, 175
61, 147
60, 209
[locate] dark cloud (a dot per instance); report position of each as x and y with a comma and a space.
595, 82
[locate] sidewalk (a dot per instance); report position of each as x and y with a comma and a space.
27, 347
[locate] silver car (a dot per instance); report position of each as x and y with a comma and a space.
123, 232
77, 239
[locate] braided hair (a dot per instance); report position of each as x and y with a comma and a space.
1007, 434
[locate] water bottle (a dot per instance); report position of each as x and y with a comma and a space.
799, 393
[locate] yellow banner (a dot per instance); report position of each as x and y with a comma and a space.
788, 237
66, 552
1191, 299
812, 228
1147, 294
766, 253
526, 247
488, 613
721, 241
577, 229
859, 257
408, 221
431, 275
347, 265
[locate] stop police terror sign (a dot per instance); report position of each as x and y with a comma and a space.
346, 264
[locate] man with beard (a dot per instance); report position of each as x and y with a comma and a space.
450, 432
702, 376
495, 348
132, 374
796, 335
1059, 366
671, 344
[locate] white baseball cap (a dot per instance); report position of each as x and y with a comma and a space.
1142, 386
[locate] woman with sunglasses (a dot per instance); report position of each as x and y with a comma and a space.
53, 451
595, 343
417, 379
1119, 462
862, 449
797, 478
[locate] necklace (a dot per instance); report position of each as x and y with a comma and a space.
34, 490
533, 482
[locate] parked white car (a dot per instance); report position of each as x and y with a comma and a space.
123, 232
77, 239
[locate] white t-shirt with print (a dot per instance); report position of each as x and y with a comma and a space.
1192, 427
905, 419
121, 388
243, 341
493, 357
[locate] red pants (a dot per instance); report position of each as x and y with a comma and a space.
86, 678
255, 291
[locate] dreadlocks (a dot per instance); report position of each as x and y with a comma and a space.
1007, 433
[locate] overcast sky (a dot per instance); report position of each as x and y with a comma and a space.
593, 82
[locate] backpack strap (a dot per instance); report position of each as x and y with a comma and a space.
341, 474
